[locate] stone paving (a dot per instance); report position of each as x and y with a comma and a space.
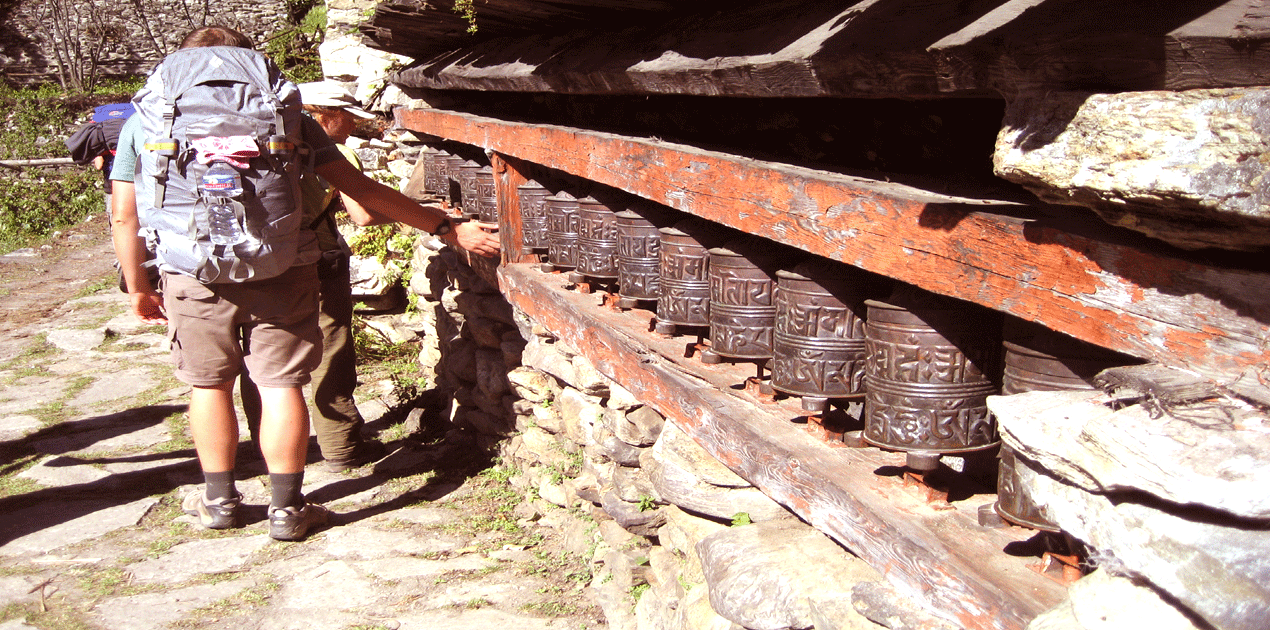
95, 456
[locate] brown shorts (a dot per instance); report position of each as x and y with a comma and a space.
269, 328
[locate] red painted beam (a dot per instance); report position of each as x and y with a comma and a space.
1176, 311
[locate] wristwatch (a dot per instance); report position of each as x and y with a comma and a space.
445, 227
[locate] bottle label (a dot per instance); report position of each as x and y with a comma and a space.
220, 181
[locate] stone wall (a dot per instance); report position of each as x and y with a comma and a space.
132, 36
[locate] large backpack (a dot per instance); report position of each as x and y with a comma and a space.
219, 91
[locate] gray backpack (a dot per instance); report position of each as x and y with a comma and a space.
219, 91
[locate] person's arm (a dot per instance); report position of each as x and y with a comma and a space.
391, 205
359, 214
147, 305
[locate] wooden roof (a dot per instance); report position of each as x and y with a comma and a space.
803, 48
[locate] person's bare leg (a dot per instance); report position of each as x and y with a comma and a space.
214, 426
284, 429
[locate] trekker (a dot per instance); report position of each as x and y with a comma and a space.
338, 423
266, 324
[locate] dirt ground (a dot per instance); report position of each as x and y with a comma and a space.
32, 287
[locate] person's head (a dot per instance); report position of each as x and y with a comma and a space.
216, 36
333, 107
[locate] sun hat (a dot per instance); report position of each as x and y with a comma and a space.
331, 94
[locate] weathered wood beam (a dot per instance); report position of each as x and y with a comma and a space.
1139, 298
423, 28
941, 557
869, 49
1035, 46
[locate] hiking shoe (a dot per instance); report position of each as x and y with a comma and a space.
294, 523
219, 514
364, 453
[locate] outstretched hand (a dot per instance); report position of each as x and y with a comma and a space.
148, 307
478, 237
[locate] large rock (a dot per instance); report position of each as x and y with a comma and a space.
1189, 168
1205, 454
767, 575
1102, 601
685, 475
1216, 566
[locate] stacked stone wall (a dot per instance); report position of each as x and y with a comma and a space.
135, 35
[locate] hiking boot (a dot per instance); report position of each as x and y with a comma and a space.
219, 514
364, 453
294, 523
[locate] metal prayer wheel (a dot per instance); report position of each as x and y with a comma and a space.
454, 178
597, 241
638, 258
427, 160
818, 348
486, 195
684, 267
468, 189
933, 362
440, 184
533, 216
742, 305
1038, 359
562, 232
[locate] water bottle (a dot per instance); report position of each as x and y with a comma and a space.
221, 185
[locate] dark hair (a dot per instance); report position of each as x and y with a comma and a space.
216, 36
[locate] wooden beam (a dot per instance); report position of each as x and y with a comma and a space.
1133, 296
940, 557
1035, 46
918, 49
870, 49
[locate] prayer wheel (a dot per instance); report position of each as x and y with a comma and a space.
440, 174
468, 174
562, 232
597, 241
427, 160
742, 309
818, 348
454, 178
933, 362
486, 195
533, 217
684, 295
638, 256
1038, 359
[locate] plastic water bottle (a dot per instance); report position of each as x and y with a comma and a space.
221, 185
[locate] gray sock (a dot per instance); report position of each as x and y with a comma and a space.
220, 485
285, 489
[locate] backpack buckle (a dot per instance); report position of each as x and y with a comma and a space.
165, 147
280, 146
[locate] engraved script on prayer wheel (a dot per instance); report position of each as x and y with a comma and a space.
742, 308
1038, 359
684, 299
533, 216
486, 195
467, 184
440, 185
454, 179
818, 350
933, 362
597, 240
638, 258
562, 231
427, 159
